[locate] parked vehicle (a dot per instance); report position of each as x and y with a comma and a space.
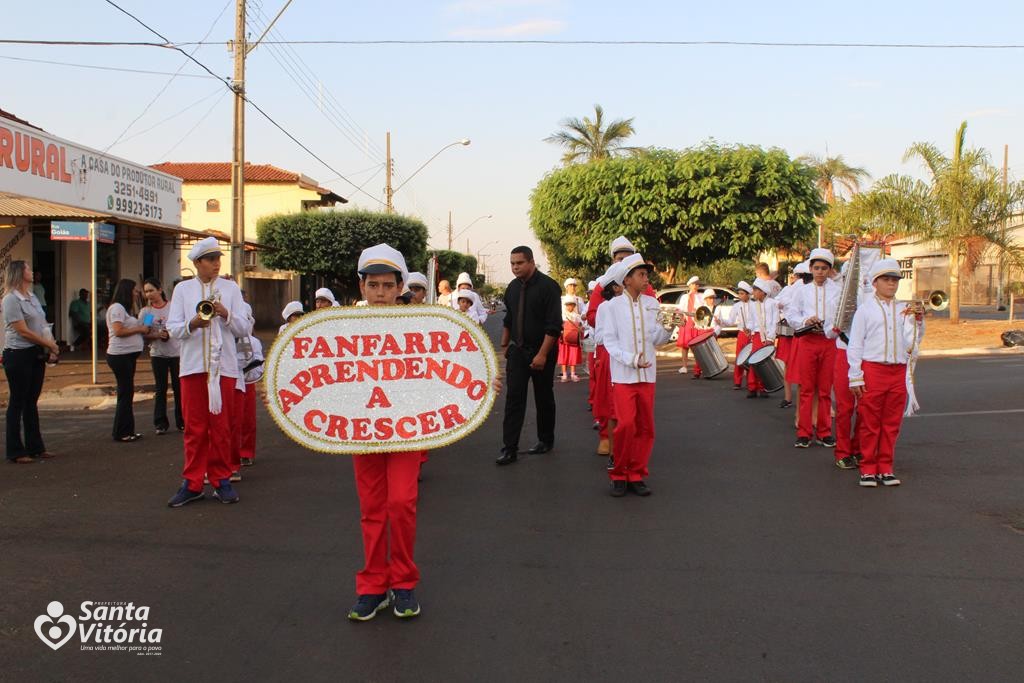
670, 296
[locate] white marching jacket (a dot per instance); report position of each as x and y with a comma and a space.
881, 333
196, 344
764, 319
629, 329
810, 300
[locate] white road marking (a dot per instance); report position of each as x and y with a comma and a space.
972, 412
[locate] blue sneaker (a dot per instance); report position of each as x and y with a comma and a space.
184, 496
367, 606
226, 493
405, 603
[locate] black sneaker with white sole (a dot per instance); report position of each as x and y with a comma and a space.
802, 442
888, 479
406, 605
847, 463
868, 481
827, 441
367, 606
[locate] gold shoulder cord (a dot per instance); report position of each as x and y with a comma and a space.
206, 337
885, 328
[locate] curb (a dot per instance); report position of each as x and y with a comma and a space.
931, 353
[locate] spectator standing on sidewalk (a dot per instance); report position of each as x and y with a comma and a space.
164, 355
124, 346
26, 348
81, 320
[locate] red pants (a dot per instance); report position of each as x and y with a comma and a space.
591, 382
246, 433
816, 357
783, 349
388, 490
847, 437
880, 414
604, 405
793, 362
634, 432
742, 339
754, 382
208, 440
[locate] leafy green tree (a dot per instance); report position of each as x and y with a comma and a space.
589, 139
696, 206
963, 207
328, 243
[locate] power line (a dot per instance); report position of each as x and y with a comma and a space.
175, 115
101, 68
191, 130
249, 101
170, 80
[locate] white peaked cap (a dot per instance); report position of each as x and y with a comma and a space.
324, 293
570, 281
290, 309
693, 280
570, 299
591, 285
382, 258
764, 285
620, 243
416, 278
467, 294
885, 266
204, 247
464, 279
629, 264
709, 294
610, 275
821, 254
774, 287
745, 286
803, 268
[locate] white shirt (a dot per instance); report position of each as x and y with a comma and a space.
739, 316
132, 343
782, 300
195, 344
764, 319
810, 300
882, 334
629, 330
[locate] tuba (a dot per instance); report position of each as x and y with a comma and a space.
848, 298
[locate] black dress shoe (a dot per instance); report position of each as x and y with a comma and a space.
539, 448
507, 457
639, 488
618, 488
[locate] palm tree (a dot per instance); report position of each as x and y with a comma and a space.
831, 171
963, 207
590, 140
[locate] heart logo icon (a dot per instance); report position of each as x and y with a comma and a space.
54, 636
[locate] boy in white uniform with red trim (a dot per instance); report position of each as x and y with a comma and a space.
761, 327
886, 334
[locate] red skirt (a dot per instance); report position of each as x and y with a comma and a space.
783, 348
687, 332
569, 354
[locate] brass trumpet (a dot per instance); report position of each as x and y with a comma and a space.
702, 317
206, 310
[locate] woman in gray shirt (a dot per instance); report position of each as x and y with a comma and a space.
27, 347
124, 346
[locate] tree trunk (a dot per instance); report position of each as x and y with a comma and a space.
954, 284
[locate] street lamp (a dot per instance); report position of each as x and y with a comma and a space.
389, 192
452, 238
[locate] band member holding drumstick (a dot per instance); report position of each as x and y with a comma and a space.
631, 332
738, 317
810, 308
207, 314
785, 346
762, 327
886, 334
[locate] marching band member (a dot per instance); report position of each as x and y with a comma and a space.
738, 317
292, 311
688, 304
252, 372
569, 343
209, 369
243, 353
571, 285
847, 434
477, 312
604, 406
762, 326
467, 301
811, 307
631, 332
709, 297
885, 335
418, 286
802, 271
588, 333
387, 483
324, 298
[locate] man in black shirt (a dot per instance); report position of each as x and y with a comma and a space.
533, 323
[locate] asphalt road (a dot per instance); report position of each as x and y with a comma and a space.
752, 561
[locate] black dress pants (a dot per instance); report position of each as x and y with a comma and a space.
517, 376
123, 365
162, 367
25, 371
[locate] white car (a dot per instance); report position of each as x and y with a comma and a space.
670, 297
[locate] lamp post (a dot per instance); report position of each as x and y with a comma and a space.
388, 191
452, 238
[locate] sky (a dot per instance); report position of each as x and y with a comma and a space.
868, 105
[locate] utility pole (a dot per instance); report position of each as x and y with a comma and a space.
449, 231
238, 155
1002, 253
388, 192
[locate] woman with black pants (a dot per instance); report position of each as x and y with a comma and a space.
164, 355
26, 349
124, 346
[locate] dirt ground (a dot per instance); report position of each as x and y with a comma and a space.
940, 334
